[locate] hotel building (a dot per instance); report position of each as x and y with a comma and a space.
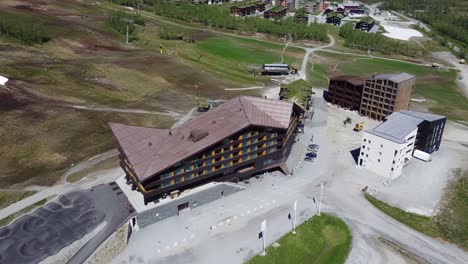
242, 137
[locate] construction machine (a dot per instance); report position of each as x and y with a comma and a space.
358, 127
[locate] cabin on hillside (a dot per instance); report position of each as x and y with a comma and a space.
275, 13
365, 24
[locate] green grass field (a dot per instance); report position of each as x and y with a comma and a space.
451, 223
322, 239
437, 85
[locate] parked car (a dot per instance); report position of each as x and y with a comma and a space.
309, 159
311, 154
313, 147
300, 130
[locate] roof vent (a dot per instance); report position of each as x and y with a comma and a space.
170, 133
150, 144
213, 122
198, 134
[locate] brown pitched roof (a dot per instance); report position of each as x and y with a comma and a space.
354, 80
151, 150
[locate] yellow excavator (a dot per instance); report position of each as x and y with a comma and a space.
358, 127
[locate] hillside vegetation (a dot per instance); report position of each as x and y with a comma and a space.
62, 93
376, 42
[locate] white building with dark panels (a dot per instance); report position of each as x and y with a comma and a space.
387, 148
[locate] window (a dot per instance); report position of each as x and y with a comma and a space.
381, 145
362, 153
165, 175
367, 155
369, 141
268, 161
378, 160
380, 153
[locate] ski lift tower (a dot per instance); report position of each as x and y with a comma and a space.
129, 21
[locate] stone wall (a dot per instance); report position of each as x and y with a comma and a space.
196, 199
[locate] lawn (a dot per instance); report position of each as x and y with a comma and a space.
437, 85
11, 197
451, 223
322, 239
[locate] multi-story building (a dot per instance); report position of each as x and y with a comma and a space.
247, 8
430, 130
365, 24
387, 148
384, 94
276, 12
333, 18
346, 91
241, 137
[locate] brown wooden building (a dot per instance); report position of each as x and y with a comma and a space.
242, 137
245, 9
384, 94
346, 91
275, 13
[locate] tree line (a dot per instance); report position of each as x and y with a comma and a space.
362, 40
25, 30
218, 16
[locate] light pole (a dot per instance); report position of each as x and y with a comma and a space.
295, 215
263, 232
320, 201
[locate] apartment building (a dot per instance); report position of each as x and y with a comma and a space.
384, 94
241, 137
387, 148
346, 91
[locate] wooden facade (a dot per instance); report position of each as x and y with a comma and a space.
250, 151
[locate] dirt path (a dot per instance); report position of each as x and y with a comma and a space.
89, 163
123, 110
449, 58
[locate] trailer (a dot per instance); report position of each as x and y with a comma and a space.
422, 155
275, 69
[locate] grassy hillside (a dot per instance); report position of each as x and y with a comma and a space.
86, 64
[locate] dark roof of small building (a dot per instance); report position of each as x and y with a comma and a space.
152, 150
394, 77
354, 80
400, 124
422, 115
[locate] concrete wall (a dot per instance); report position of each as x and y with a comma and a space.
196, 199
384, 156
